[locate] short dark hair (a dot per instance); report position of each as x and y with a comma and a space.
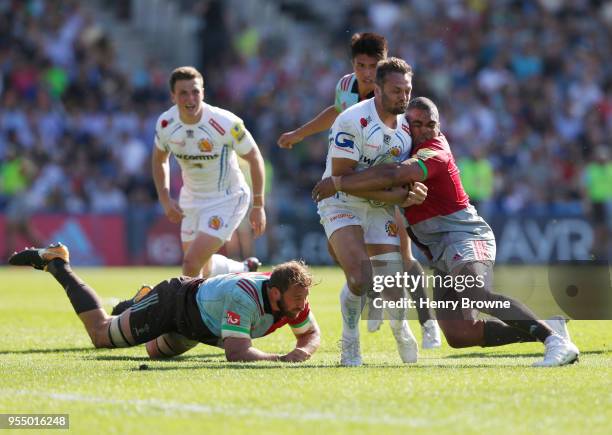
184, 73
391, 65
290, 273
371, 44
423, 103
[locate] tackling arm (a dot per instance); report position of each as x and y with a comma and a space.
376, 178
395, 195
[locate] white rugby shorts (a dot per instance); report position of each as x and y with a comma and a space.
218, 217
378, 223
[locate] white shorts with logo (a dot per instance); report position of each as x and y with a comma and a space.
218, 217
378, 223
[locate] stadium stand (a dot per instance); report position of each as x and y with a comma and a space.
528, 85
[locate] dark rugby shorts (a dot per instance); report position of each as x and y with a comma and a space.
170, 307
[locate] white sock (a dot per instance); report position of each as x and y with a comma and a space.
350, 305
221, 265
390, 264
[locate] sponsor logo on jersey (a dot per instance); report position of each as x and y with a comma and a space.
238, 132
367, 160
215, 222
205, 145
340, 216
189, 134
198, 157
391, 229
233, 318
426, 153
164, 123
363, 122
344, 140
216, 126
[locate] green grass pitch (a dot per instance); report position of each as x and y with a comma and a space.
47, 365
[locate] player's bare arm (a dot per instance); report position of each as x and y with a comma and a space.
257, 218
380, 177
394, 196
306, 344
323, 121
241, 349
160, 167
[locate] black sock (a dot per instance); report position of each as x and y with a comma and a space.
497, 333
418, 293
82, 297
519, 316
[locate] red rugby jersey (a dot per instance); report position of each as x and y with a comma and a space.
445, 194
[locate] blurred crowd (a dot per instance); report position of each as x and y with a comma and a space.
524, 89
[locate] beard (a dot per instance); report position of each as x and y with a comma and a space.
284, 311
395, 109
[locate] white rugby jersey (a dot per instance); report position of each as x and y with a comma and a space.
205, 152
359, 134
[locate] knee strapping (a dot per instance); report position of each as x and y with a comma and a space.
115, 333
390, 264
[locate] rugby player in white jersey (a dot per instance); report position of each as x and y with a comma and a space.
215, 196
364, 236
366, 50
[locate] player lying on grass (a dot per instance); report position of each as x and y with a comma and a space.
458, 242
225, 311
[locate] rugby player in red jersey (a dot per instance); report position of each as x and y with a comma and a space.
458, 242
367, 49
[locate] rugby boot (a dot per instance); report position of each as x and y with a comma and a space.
431, 335
39, 258
407, 346
558, 352
559, 325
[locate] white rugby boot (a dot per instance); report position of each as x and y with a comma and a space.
559, 325
558, 352
431, 335
350, 355
407, 346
